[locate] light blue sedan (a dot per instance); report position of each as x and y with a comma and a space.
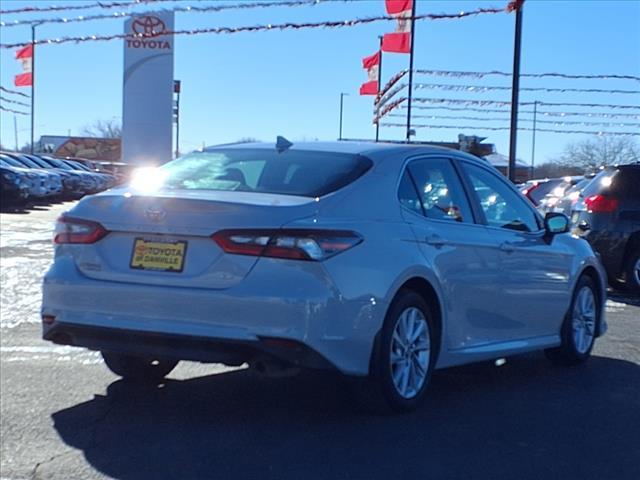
381, 261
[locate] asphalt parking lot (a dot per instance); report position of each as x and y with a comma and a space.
65, 416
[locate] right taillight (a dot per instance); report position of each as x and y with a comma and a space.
76, 230
292, 244
601, 204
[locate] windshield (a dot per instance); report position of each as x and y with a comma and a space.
41, 163
303, 173
57, 163
11, 161
26, 162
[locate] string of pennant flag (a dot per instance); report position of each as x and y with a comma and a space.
547, 130
178, 9
557, 123
545, 113
257, 28
79, 6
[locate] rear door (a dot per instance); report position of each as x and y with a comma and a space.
454, 246
532, 293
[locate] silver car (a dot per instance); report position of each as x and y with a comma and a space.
380, 261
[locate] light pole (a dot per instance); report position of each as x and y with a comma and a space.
515, 90
342, 95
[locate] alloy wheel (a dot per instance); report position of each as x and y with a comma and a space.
410, 352
584, 320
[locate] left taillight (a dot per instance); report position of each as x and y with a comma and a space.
292, 244
76, 230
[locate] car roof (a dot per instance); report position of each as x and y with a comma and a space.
347, 147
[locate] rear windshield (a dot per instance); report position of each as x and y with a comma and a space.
623, 182
304, 173
544, 188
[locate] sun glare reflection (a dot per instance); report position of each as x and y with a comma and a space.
148, 179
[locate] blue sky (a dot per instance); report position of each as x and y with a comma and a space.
288, 83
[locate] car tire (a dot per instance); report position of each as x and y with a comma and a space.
139, 369
401, 368
578, 331
632, 272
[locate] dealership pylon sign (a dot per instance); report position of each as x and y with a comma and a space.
147, 97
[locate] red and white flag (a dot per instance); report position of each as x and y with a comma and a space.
372, 65
25, 56
400, 40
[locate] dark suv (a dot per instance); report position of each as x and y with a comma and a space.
608, 216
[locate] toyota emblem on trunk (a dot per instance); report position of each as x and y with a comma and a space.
155, 214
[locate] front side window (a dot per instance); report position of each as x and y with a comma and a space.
439, 194
502, 207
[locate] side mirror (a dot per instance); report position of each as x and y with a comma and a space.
556, 223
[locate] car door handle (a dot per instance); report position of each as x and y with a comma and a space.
507, 247
435, 240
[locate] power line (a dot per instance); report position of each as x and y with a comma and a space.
13, 92
15, 102
260, 28
10, 110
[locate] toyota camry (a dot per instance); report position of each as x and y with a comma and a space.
380, 261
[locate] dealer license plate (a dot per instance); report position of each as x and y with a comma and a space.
158, 256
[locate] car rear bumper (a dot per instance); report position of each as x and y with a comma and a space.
186, 347
300, 304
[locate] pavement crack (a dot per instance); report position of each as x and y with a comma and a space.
34, 473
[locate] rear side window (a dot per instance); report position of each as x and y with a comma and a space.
304, 173
431, 187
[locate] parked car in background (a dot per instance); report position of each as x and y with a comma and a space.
53, 184
14, 185
535, 190
86, 183
549, 201
37, 180
105, 180
571, 197
381, 261
70, 180
608, 217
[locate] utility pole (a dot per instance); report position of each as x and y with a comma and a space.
15, 131
515, 90
342, 95
413, 31
533, 139
379, 85
33, 80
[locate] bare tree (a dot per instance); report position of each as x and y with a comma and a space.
103, 129
556, 170
596, 152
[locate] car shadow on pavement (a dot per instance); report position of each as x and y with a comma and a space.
624, 297
526, 419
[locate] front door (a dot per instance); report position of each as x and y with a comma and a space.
534, 270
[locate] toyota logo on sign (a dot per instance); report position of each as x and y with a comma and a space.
148, 26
